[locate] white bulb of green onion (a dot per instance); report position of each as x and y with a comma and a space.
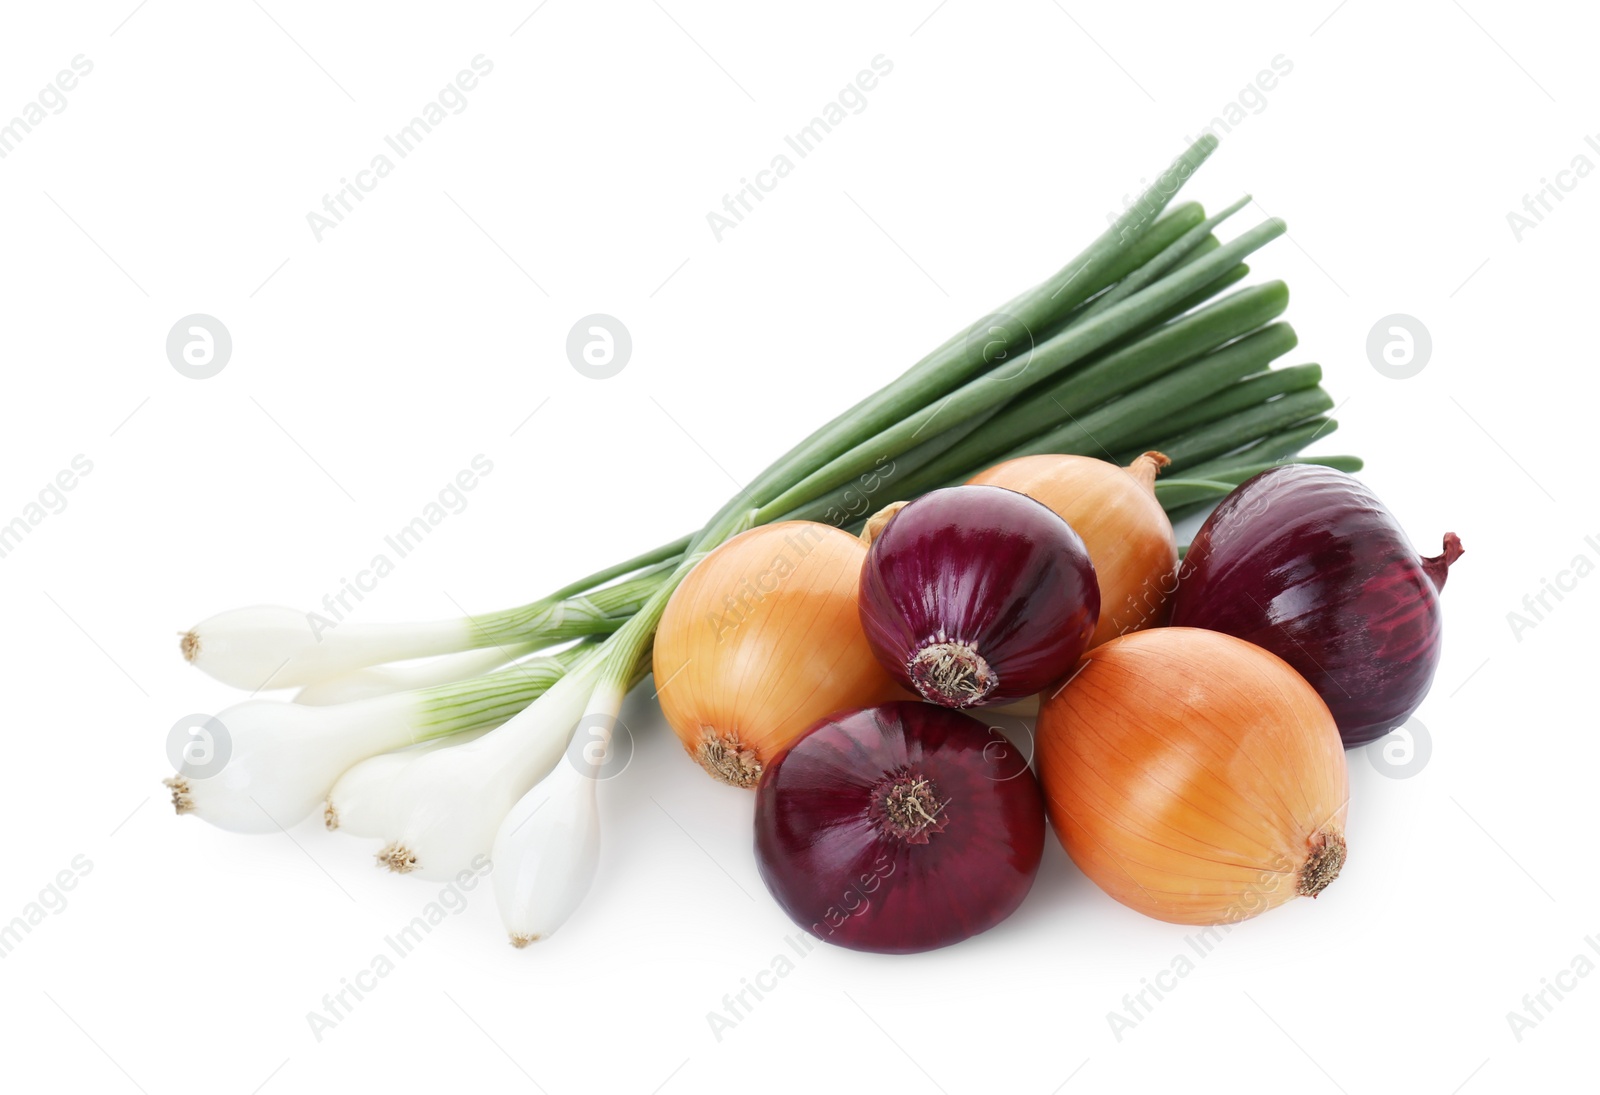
270, 764
277, 760
268, 646
274, 647
360, 804
448, 804
381, 680
547, 849
545, 855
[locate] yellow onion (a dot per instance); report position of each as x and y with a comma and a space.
1115, 511
761, 640
1194, 776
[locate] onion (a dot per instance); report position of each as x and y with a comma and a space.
1306, 562
1124, 528
1194, 777
899, 828
761, 640
977, 595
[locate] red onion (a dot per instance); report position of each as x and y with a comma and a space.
974, 595
1306, 562
899, 828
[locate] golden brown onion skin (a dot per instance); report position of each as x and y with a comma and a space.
1194, 777
762, 639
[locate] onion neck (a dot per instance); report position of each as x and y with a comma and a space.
952, 674
1322, 865
875, 524
1145, 469
1437, 567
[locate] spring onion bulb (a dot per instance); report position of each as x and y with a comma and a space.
273, 763
271, 646
381, 680
446, 805
547, 848
281, 759
274, 647
360, 802
358, 805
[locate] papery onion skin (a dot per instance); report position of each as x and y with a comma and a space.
1194, 776
1306, 562
899, 828
761, 640
1125, 530
978, 595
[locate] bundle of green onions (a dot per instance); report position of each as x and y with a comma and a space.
1141, 342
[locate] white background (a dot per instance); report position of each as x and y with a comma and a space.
369, 368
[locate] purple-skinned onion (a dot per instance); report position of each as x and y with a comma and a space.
1306, 562
977, 595
899, 828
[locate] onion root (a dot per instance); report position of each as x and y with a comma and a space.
728, 759
181, 802
1324, 863
398, 858
952, 674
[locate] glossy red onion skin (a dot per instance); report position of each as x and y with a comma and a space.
832, 865
1306, 562
986, 566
